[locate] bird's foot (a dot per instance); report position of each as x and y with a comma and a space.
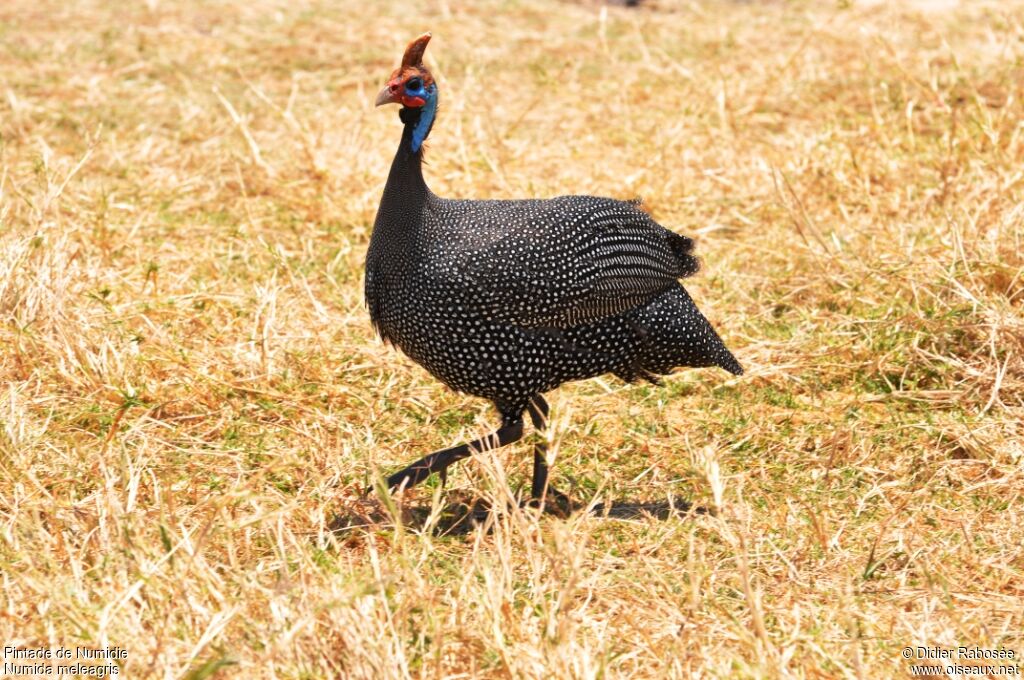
552, 502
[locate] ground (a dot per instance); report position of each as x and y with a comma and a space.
192, 393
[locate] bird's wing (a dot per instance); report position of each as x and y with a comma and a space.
559, 263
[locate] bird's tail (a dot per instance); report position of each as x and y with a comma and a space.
676, 335
729, 363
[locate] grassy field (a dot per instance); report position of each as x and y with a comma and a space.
191, 393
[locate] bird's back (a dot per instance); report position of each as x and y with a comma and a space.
559, 262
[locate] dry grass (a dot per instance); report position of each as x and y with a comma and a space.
191, 390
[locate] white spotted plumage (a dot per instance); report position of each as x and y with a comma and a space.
509, 299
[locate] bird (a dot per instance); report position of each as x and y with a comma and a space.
508, 299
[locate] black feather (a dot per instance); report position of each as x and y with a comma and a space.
464, 286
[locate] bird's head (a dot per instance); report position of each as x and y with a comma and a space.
412, 86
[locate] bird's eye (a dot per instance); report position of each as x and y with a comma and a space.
414, 84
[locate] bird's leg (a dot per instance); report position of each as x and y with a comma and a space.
539, 489
538, 410
511, 430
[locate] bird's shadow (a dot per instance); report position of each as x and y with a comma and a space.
460, 516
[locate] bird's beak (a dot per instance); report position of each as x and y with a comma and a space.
389, 95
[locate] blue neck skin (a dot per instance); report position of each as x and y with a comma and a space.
427, 113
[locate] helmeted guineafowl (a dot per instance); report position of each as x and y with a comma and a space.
509, 299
